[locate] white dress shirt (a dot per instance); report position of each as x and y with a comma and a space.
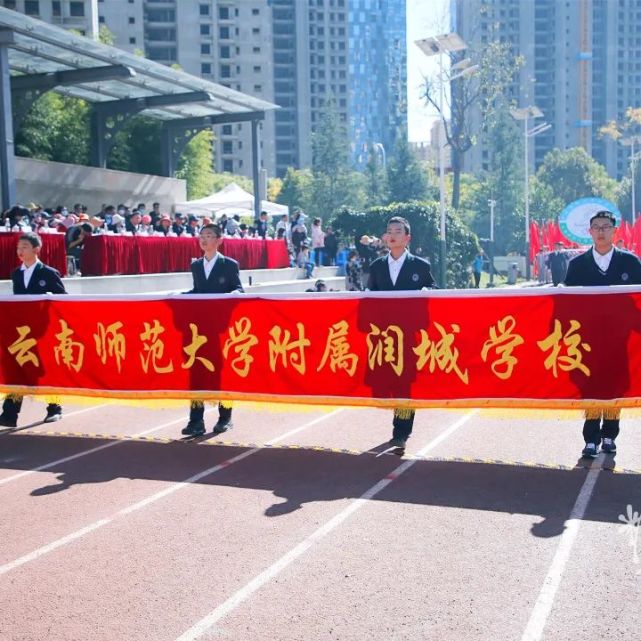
209, 264
602, 260
28, 272
395, 265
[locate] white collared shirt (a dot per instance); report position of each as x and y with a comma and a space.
602, 260
395, 266
209, 264
28, 272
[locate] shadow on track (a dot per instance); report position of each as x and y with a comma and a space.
301, 476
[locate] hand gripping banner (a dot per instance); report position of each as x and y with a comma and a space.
564, 347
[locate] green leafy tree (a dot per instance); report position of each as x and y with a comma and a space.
196, 165
296, 189
567, 175
137, 146
406, 177
56, 128
424, 218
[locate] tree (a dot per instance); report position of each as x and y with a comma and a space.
136, 147
565, 176
407, 178
497, 69
375, 177
424, 217
296, 188
196, 165
56, 128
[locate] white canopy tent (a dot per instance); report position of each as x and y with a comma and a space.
231, 200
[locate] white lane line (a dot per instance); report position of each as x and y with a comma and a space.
207, 622
72, 457
543, 605
54, 545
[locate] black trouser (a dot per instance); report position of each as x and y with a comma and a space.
594, 431
13, 404
403, 423
477, 279
197, 412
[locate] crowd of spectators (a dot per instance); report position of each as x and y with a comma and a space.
309, 244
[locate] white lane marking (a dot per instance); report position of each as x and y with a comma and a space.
543, 605
207, 622
54, 545
72, 457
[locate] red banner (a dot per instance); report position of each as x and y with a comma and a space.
572, 347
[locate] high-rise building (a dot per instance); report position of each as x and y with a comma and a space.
581, 67
350, 51
80, 15
226, 41
297, 54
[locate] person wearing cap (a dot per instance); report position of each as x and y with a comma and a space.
178, 227
193, 228
212, 274
117, 225
557, 263
400, 270
31, 278
602, 265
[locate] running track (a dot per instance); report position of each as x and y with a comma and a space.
292, 527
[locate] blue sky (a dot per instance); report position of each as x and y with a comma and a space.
424, 18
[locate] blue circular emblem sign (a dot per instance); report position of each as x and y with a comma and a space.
574, 220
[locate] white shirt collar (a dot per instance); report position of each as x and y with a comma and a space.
27, 272
209, 264
602, 260
395, 265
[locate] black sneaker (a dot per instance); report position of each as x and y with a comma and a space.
54, 413
398, 442
609, 446
590, 450
8, 421
223, 426
194, 428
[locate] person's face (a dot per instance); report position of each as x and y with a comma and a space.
209, 241
165, 222
27, 253
135, 219
396, 237
602, 230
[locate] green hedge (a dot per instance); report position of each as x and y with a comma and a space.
462, 244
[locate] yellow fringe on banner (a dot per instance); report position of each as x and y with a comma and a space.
608, 414
403, 413
270, 402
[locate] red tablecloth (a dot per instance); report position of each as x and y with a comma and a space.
106, 254
53, 252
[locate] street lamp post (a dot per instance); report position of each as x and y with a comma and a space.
631, 142
492, 204
438, 45
525, 114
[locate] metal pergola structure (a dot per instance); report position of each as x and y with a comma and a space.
36, 57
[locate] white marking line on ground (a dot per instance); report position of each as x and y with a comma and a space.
206, 623
543, 605
72, 457
54, 545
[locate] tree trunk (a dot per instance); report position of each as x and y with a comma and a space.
456, 177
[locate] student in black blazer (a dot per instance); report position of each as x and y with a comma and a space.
398, 271
32, 277
212, 274
603, 264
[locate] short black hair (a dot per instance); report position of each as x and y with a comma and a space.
212, 227
31, 237
604, 213
399, 220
